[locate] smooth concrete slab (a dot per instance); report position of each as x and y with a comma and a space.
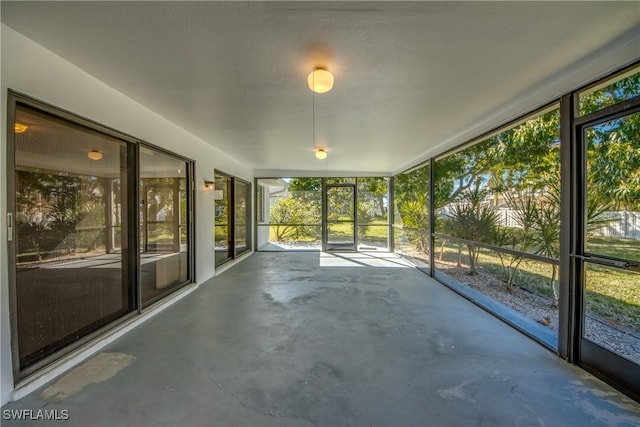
316, 339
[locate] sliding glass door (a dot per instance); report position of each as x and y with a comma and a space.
242, 209
70, 202
223, 219
232, 226
164, 245
99, 225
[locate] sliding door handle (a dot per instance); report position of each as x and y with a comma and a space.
607, 261
9, 227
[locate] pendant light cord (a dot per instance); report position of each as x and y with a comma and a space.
313, 111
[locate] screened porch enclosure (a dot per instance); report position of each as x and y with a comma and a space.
329, 214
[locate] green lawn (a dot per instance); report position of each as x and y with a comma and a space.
611, 293
375, 232
614, 246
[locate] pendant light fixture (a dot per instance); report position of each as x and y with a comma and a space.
321, 154
320, 80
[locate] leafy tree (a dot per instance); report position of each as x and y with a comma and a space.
50, 207
291, 216
612, 94
305, 184
308, 191
412, 185
411, 199
371, 195
613, 162
613, 148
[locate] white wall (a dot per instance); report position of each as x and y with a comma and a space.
31, 69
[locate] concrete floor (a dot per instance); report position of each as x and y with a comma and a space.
312, 339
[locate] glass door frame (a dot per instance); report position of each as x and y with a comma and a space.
130, 220
230, 212
231, 187
589, 355
129, 243
189, 225
326, 246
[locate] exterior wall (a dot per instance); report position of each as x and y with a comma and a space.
35, 71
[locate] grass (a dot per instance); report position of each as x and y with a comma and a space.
610, 293
374, 232
614, 246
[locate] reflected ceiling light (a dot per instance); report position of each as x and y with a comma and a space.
94, 155
321, 154
20, 128
320, 80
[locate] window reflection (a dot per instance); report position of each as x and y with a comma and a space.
71, 263
223, 244
163, 223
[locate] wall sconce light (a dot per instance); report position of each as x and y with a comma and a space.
321, 154
95, 155
209, 185
320, 80
20, 128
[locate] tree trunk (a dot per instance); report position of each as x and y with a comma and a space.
472, 260
554, 287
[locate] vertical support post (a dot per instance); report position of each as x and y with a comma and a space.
130, 223
391, 215
107, 199
567, 323
324, 214
176, 214
432, 217
231, 217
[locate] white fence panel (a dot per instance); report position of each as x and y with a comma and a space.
623, 224
508, 217
620, 224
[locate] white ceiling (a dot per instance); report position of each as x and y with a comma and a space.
412, 78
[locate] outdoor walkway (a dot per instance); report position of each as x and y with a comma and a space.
315, 339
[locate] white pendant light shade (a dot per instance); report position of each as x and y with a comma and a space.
321, 154
320, 80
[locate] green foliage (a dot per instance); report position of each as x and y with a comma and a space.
292, 218
415, 216
411, 195
411, 186
371, 198
51, 207
512, 238
613, 162
305, 184
474, 220
612, 94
